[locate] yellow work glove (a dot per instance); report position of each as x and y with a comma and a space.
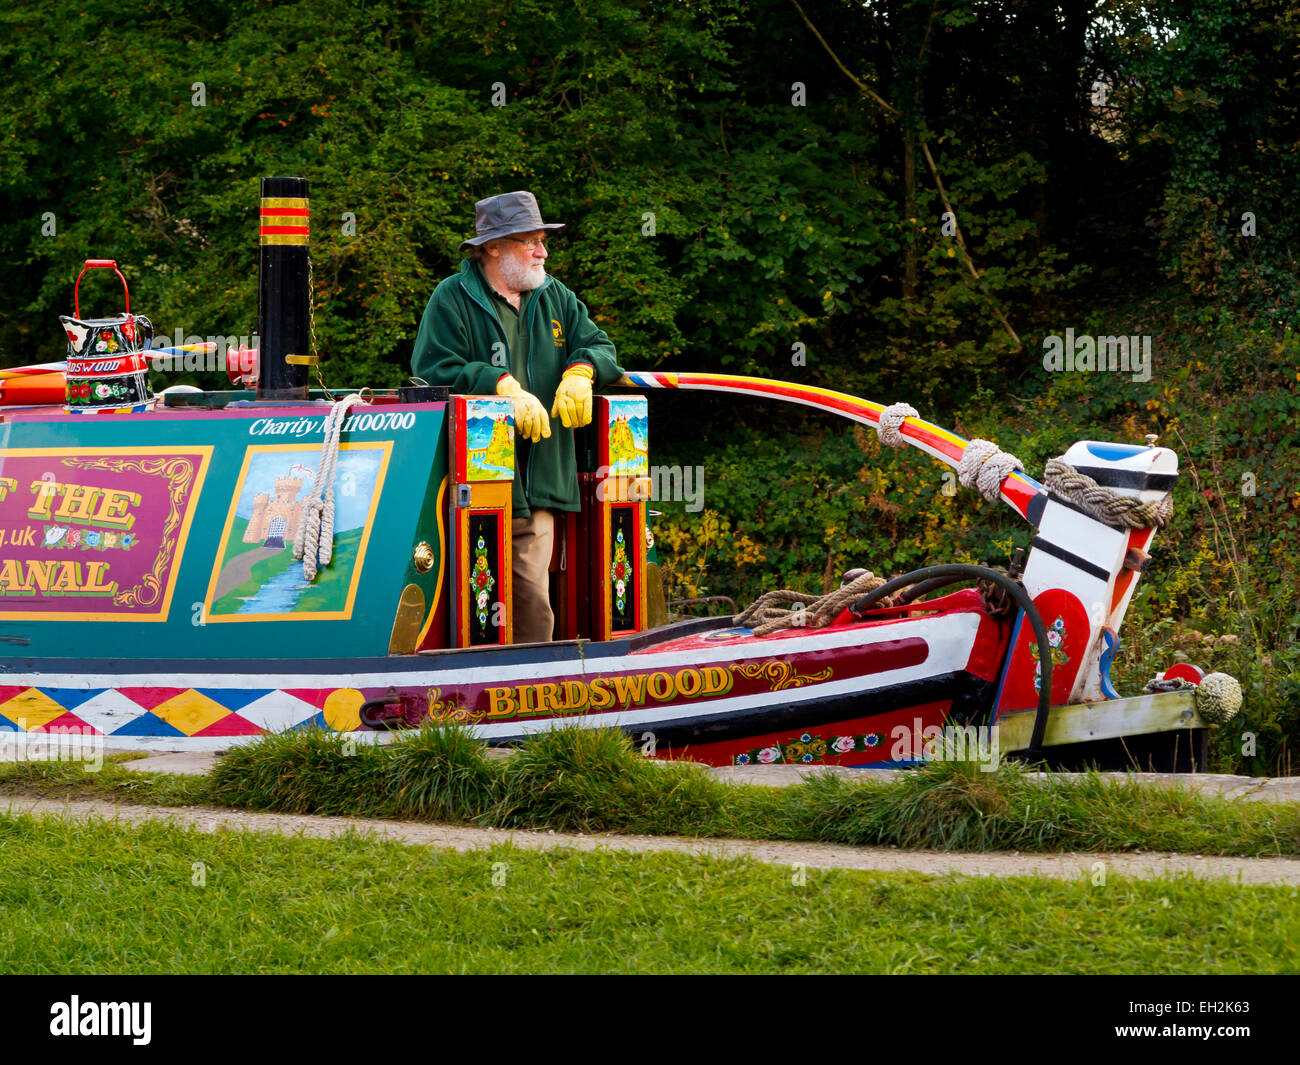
573, 397
530, 416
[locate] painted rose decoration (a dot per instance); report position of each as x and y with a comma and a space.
620, 571
481, 583
1055, 647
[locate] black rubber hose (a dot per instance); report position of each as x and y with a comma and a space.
926, 587
1017, 592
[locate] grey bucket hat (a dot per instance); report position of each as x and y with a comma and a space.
501, 216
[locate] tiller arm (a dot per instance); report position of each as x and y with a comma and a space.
1019, 491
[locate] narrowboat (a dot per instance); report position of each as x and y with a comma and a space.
194, 569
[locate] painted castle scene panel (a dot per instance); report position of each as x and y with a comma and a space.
629, 437
489, 440
256, 571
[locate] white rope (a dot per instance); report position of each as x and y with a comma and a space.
984, 466
891, 420
315, 540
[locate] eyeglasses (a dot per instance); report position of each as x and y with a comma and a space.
530, 243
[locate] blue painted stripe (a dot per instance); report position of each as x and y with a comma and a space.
1006, 665
1111, 452
1110, 643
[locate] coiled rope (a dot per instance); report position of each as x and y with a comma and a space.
765, 616
314, 543
891, 420
1105, 504
983, 466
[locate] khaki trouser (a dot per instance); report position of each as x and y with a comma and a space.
533, 541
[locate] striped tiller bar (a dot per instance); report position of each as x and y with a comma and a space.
1019, 491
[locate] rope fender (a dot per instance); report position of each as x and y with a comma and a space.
314, 543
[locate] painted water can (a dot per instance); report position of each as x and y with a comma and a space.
108, 368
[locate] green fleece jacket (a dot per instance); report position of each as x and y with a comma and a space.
454, 347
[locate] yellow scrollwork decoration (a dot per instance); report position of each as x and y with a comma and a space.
450, 710
782, 675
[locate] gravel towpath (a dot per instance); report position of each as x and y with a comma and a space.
812, 855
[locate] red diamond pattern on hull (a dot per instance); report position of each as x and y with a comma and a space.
231, 725
315, 696
68, 721
150, 698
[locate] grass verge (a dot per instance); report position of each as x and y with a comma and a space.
77, 780
593, 780
170, 900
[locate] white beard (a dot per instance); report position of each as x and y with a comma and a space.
522, 277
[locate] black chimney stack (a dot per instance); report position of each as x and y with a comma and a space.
284, 290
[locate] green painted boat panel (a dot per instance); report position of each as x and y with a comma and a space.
170, 534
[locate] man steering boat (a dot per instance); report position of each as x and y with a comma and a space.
503, 326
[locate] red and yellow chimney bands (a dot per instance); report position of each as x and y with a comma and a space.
284, 220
